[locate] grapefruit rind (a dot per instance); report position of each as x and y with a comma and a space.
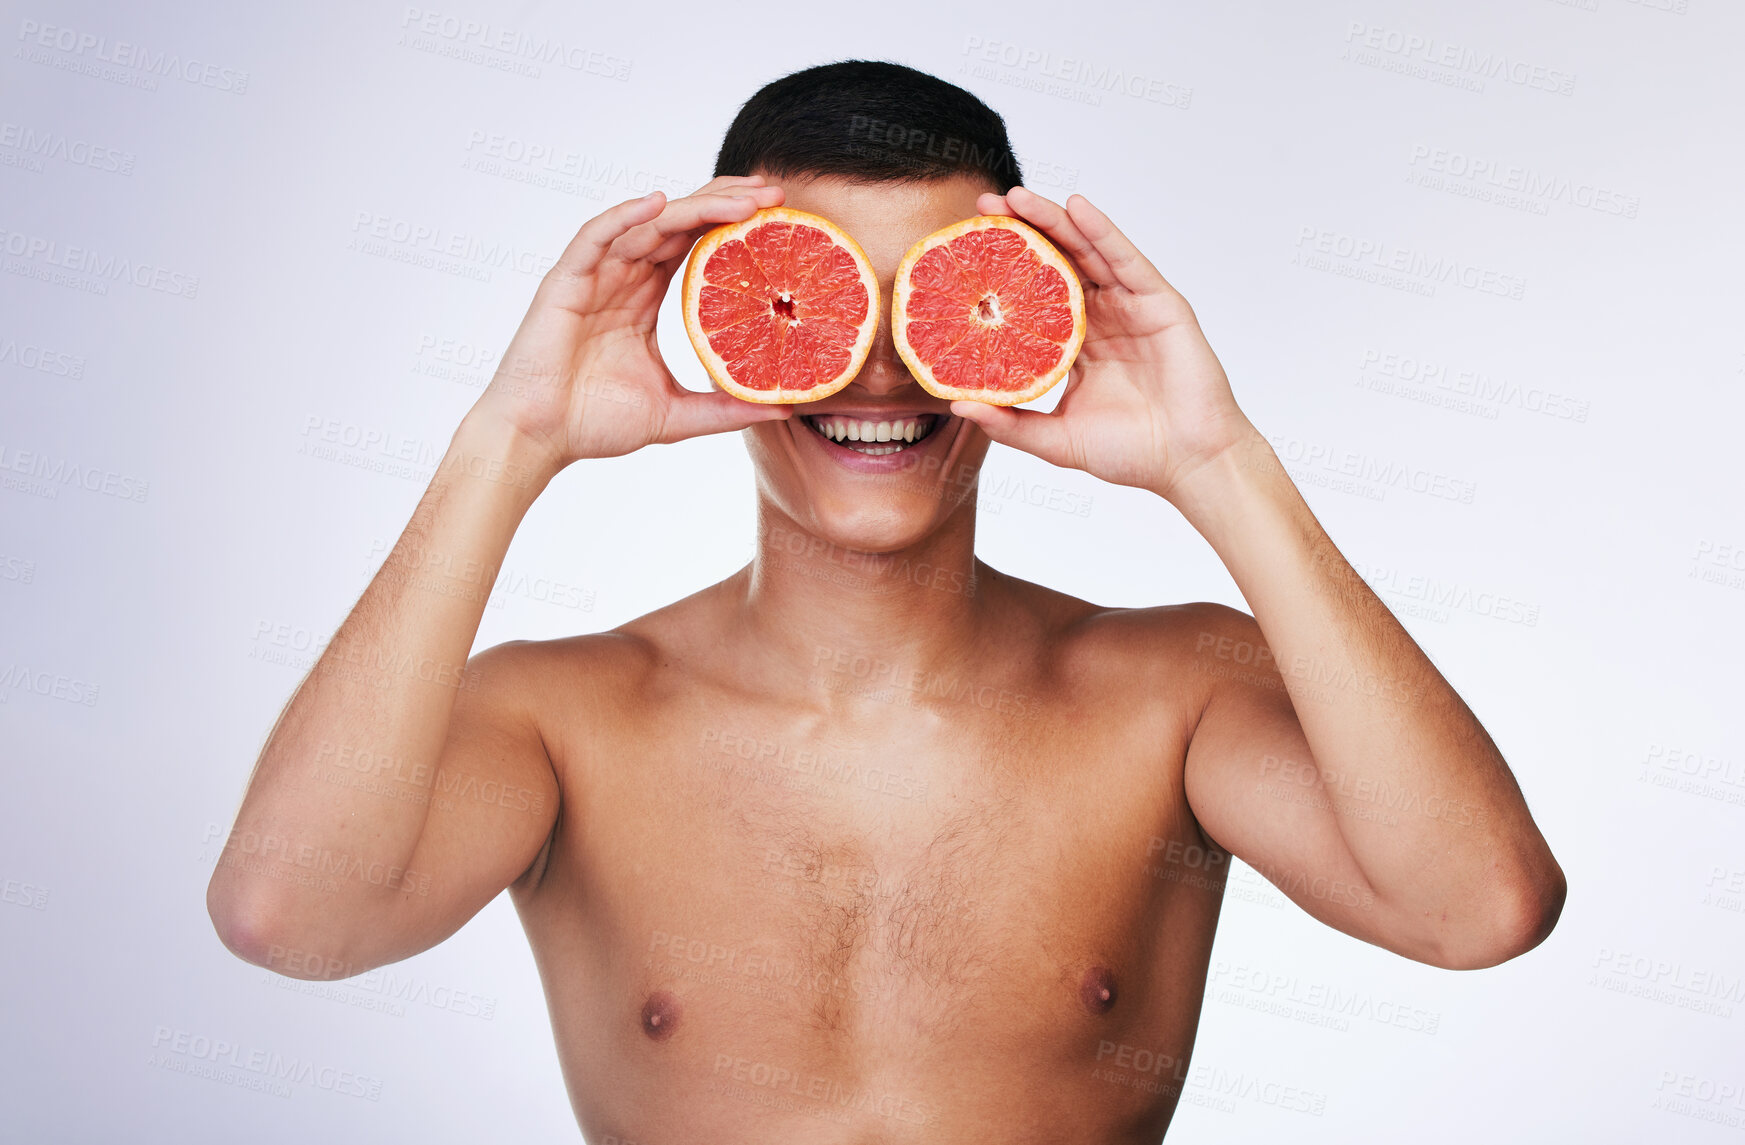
1050, 256
692, 290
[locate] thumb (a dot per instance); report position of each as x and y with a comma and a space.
691, 414
1039, 434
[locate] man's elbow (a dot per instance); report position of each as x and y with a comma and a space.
259, 930
1517, 918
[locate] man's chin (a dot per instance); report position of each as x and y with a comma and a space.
876, 533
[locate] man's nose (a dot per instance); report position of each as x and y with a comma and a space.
883, 372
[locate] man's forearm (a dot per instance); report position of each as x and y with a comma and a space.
1377, 715
382, 690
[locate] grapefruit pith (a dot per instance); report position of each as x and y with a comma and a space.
781, 307
987, 310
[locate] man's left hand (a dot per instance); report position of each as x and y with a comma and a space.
1147, 402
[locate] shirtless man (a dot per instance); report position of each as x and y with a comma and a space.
871, 841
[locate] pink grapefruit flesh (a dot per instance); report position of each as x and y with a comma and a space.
780, 308
987, 310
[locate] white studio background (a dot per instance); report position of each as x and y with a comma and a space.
1524, 434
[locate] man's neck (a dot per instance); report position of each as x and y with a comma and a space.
831, 607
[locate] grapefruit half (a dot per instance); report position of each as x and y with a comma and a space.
781, 307
987, 310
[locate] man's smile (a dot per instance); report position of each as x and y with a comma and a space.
873, 436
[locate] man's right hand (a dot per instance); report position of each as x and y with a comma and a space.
583, 376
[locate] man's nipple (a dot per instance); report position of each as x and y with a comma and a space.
1097, 991
660, 1015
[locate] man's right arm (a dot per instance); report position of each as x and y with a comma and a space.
403, 787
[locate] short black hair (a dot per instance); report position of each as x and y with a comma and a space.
869, 121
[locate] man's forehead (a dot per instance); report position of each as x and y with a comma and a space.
886, 219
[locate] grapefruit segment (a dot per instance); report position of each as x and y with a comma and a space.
780, 308
987, 310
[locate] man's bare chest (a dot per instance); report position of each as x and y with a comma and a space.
879, 867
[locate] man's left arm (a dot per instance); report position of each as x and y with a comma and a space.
1335, 759
1330, 750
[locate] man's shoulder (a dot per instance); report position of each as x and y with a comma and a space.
613, 649
1166, 631
570, 670
620, 657
1137, 643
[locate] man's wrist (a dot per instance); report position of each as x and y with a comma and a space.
1219, 474
491, 450
1230, 486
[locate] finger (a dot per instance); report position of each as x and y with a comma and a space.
1039, 434
989, 203
1052, 220
674, 247
685, 217
1131, 268
585, 251
730, 181
691, 414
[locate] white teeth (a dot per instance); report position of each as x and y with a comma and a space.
899, 433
